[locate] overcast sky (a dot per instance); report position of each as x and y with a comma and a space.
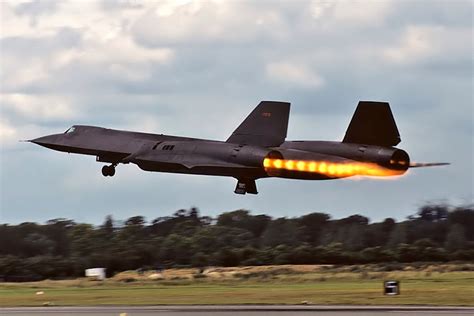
198, 68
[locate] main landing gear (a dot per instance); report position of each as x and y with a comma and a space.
108, 171
246, 186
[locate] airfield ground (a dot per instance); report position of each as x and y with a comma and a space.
434, 285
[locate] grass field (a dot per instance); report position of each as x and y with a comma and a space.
277, 285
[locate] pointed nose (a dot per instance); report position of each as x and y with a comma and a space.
47, 141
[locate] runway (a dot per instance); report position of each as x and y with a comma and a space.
249, 310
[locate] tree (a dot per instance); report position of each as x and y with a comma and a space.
377, 234
398, 236
464, 216
200, 260
281, 231
433, 213
388, 224
63, 248
135, 221
355, 219
355, 238
57, 230
107, 227
407, 253
12, 265
176, 249
187, 221
37, 244
303, 254
313, 224
243, 220
83, 240
456, 239
228, 258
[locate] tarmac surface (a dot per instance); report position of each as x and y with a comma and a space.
253, 310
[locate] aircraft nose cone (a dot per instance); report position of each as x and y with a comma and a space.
46, 140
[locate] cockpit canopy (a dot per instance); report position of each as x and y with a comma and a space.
70, 130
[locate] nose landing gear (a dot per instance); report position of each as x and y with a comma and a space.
108, 171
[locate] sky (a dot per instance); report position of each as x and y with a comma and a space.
198, 68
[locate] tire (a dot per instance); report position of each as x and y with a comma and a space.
105, 171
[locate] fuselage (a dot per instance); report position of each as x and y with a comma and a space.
164, 153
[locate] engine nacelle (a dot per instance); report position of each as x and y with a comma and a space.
251, 156
358, 161
297, 164
391, 158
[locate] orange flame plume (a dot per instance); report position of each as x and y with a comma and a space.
331, 169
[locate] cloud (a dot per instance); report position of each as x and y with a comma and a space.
458, 14
359, 13
33, 9
204, 22
7, 132
429, 43
38, 108
25, 116
293, 74
23, 66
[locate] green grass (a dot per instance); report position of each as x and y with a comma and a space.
437, 289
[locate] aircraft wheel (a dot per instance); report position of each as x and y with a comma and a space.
105, 171
108, 171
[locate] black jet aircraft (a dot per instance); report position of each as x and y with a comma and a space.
256, 149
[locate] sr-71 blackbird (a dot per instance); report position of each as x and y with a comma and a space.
256, 149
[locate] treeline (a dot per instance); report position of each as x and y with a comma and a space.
63, 248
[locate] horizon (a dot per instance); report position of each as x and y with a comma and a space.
121, 221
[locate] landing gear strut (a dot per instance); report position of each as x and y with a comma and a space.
108, 171
246, 186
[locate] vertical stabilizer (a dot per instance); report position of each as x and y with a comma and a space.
266, 126
372, 124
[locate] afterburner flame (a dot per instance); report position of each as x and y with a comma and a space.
331, 169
